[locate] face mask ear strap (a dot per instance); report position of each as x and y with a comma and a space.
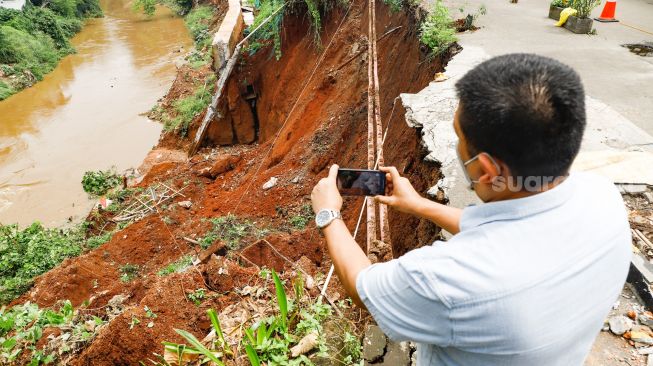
496, 165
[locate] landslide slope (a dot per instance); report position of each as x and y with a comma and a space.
328, 125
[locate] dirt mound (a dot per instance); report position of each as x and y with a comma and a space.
261, 227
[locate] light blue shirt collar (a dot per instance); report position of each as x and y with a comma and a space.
477, 215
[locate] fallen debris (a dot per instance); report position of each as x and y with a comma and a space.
620, 324
270, 183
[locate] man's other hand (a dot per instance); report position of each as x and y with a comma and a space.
401, 194
325, 194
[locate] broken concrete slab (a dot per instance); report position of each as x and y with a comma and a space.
228, 34
620, 324
628, 188
374, 343
397, 354
618, 166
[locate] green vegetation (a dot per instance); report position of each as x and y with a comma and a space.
184, 110
198, 21
177, 266
22, 327
32, 41
128, 272
437, 31
100, 182
396, 5
27, 253
302, 218
560, 3
584, 7
231, 230
181, 7
268, 340
196, 296
148, 6
271, 31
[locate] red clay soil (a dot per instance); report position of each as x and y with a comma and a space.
328, 126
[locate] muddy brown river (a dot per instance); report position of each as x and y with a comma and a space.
87, 114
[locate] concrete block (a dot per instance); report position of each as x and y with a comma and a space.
228, 35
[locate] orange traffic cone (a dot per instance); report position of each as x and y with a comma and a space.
607, 15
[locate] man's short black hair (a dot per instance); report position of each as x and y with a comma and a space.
526, 110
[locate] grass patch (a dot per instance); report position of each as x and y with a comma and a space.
177, 266
5, 91
187, 108
198, 21
437, 31
231, 230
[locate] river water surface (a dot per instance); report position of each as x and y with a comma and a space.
86, 114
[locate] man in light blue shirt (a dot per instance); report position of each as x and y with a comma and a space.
530, 274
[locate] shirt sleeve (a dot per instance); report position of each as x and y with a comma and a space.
403, 313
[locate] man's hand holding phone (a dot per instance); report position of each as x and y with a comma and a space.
325, 194
401, 195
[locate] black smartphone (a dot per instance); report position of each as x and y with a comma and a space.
360, 182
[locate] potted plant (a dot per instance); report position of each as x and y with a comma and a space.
581, 23
556, 8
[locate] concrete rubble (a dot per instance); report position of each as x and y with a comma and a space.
379, 350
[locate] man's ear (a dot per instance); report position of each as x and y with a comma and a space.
489, 169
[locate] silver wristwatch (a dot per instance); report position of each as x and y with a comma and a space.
325, 217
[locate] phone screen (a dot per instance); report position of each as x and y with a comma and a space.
358, 182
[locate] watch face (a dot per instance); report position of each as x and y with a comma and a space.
322, 218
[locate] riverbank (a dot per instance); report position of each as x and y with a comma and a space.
34, 39
88, 114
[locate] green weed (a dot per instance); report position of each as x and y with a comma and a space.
128, 272
186, 109
21, 327
98, 183
177, 266
231, 230
302, 218
268, 340
197, 296
437, 32
5, 91
198, 21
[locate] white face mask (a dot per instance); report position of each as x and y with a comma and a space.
464, 164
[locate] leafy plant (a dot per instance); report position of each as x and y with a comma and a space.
197, 296
560, 3
5, 91
21, 327
128, 272
148, 6
302, 218
270, 32
231, 230
32, 41
584, 7
198, 21
177, 266
27, 253
437, 32
99, 182
187, 108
